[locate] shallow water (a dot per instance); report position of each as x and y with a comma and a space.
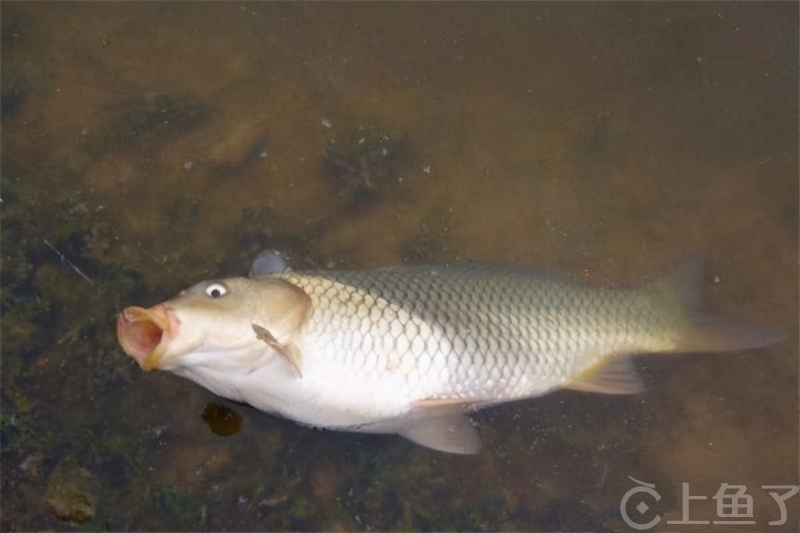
149, 146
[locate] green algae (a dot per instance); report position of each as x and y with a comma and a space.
301, 508
184, 507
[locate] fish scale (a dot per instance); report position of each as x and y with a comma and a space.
469, 332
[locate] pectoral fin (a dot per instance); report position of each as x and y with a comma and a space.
289, 351
615, 377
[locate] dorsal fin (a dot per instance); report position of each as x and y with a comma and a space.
268, 262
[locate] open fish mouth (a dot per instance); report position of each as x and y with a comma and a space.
141, 333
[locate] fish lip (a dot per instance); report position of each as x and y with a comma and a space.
145, 333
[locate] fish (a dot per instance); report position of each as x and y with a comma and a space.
413, 350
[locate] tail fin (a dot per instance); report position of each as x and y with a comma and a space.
710, 334
702, 332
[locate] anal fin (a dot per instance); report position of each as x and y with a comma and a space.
615, 377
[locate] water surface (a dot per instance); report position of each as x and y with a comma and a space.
148, 146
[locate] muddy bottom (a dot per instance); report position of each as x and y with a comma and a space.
147, 147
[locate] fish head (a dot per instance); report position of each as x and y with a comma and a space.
212, 325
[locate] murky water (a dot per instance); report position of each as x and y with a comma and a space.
149, 146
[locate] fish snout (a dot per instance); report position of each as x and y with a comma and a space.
141, 333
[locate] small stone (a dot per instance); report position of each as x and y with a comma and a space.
69, 493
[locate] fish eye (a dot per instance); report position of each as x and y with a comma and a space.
216, 290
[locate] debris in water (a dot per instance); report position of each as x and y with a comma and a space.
67, 261
222, 420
